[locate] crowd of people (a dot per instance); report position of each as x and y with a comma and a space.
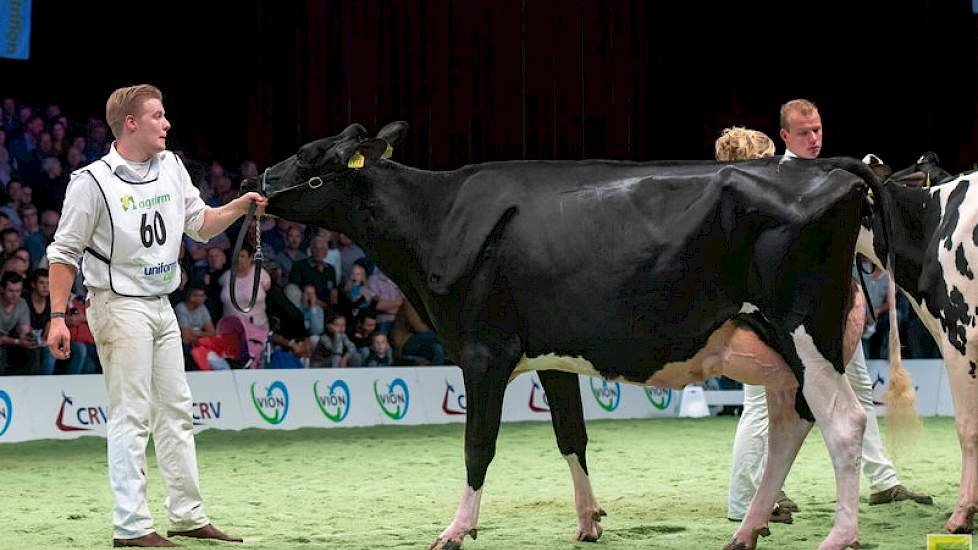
321, 301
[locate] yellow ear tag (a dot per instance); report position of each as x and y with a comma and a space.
387, 154
356, 161
928, 181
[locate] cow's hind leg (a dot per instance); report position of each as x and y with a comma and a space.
964, 390
486, 367
786, 432
842, 421
567, 414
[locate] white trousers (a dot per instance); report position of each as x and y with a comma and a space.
750, 443
138, 342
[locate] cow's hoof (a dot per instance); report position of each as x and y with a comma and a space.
446, 545
748, 545
442, 543
961, 521
592, 536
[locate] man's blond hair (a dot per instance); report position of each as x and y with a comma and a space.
736, 143
800, 106
128, 101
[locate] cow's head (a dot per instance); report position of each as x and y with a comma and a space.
924, 173
317, 184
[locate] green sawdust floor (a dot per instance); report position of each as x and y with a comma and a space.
662, 482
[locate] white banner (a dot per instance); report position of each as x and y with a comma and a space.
64, 407
216, 402
15, 410
929, 380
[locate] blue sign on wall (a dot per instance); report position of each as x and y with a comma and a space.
15, 29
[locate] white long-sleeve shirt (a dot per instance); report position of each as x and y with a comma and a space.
85, 220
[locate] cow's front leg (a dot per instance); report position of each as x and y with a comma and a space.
567, 414
486, 369
786, 432
842, 421
964, 390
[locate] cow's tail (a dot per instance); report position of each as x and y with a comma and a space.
902, 421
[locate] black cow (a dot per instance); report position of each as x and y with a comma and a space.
933, 235
657, 273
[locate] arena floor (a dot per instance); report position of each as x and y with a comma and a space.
662, 482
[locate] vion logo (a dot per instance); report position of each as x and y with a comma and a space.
607, 395
86, 417
6, 412
394, 399
273, 405
453, 403
335, 401
206, 410
659, 397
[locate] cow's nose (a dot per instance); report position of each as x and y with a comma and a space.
434, 278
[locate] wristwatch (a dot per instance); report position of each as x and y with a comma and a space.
58, 315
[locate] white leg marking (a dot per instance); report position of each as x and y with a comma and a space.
842, 422
588, 512
466, 519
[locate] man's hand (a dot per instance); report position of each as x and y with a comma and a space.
59, 339
243, 203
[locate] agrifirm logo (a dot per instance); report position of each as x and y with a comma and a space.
129, 203
394, 399
334, 402
659, 397
73, 418
6, 412
538, 399
206, 410
273, 405
948, 542
608, 396
454, 402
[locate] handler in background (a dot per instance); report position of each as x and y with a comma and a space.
125, 214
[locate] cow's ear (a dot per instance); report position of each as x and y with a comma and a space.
471, 231
393, 133
364, 153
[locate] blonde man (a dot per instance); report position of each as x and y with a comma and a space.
125, 215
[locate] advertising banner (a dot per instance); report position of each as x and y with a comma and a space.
441, 393
928, 378
216, 402
15, 409
15, 29
67, 407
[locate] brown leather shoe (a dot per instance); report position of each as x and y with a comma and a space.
206, 532
785, 503
151, 540
897, 493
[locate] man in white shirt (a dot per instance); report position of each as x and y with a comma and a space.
125, 214
801, 131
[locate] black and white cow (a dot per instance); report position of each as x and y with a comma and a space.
933, 234
694, 269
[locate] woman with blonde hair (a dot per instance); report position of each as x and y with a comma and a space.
737, 143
